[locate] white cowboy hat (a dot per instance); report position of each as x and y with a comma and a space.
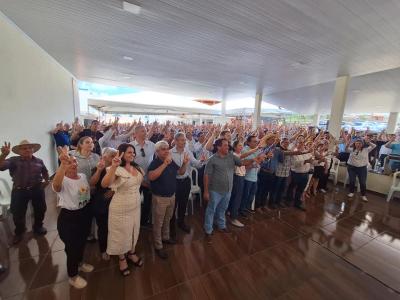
34, 146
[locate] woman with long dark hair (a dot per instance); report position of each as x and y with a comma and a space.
124, 177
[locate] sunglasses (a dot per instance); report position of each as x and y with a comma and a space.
142, 152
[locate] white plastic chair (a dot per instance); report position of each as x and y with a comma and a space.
335, 170
5, 197
395, 185
195, 188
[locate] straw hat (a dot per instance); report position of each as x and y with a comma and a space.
35, 146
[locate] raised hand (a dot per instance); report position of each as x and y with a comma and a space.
117, 159
203, 157
5, 150
63, 155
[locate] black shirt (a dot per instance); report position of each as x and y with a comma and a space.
95, 135
99, 202
165, 185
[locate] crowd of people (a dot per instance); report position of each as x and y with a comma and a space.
128, 176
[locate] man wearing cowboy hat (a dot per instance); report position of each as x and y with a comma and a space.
29, 176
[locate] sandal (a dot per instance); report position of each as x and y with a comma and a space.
125, 272
137, 263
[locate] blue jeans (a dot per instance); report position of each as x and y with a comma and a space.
236, 196
216, 206
249, 191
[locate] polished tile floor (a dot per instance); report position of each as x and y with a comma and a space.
338, 249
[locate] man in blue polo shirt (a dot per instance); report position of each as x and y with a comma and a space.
162, 175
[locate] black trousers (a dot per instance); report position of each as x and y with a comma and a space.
19, 205
73, 227
297, 187
265, 187
323, 181
145, 214
183, 187
100, 206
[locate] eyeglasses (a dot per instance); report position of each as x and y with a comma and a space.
142, 152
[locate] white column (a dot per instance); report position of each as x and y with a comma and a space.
200, 120
257, 110
338, 104
392, 122
315, 120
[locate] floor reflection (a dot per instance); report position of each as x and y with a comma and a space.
285, 254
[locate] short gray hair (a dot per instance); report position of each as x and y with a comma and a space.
137, 128
161, 144
109, 151
179, 134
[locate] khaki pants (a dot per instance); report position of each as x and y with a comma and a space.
163, 209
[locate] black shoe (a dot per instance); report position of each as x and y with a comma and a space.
171, 241
300, 207
40, 231
162, 253
17, 239
184, 227
224, 230
243, 215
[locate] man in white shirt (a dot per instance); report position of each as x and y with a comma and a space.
112, 139
145, 150
299, 175
183, 182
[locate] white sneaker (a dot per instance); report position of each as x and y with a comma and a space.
350, 195
105, 256
364, 198
77, 282
323, 191
237, 223
86, 268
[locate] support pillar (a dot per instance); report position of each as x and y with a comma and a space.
392, 122
338, 104
315, 120
257, 110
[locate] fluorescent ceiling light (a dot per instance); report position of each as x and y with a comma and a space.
131, 7
127, 58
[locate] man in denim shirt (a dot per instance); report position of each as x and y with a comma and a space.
266, 177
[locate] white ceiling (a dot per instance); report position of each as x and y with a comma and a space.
293, 49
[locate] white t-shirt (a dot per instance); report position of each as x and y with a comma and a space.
75, 193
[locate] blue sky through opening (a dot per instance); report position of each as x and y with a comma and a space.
96, 89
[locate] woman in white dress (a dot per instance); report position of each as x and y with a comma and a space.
124, 177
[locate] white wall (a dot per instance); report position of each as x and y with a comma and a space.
35, 92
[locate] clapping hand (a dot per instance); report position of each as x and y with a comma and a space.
168, 160
117, 159
5, 150
186, 158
